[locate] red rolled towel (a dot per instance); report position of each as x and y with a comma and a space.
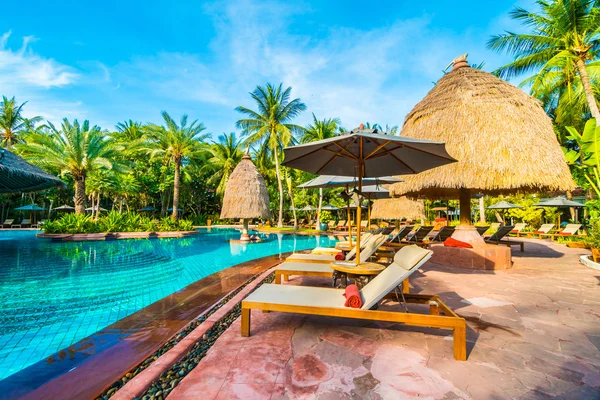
539, 232
352, 295
450, 242
340, 257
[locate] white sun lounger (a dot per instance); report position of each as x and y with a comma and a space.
335, 250
328, 258
330, 302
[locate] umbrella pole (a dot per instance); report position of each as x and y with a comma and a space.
349, 223
359, 208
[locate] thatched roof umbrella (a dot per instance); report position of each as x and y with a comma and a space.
17, 175
397, 208
502, 138
246, 195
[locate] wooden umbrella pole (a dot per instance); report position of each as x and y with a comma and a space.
349, 220
359, 209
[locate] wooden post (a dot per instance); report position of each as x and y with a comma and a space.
464, 196
246, 323
460, 342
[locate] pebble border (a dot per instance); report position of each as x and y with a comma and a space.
170, 361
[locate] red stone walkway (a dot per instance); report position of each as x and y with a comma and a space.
534, 333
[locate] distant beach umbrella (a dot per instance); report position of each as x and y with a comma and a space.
29, 207
331, 181
246, 195
17, 175
559, 202
170, 209
148, 209
307, 208
503, 205
329, 207
95, 208
65, 208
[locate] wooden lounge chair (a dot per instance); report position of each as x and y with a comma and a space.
330, 302
401, 234
340, 225
498, 238
518, 228
331, 225
443, 234
544, 229
25, 223
418, 237
363, 226
328, 258
495, 225
482, 229
569, 230
8, 223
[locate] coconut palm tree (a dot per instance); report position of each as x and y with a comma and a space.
129, 131
13, 123
564, 32
76, 150
176, 143
320, 129
225, 155
271, 123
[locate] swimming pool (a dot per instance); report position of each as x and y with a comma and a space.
54, 294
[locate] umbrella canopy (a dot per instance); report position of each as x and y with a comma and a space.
502, 138
95, 208
503, 205
329, 207
29, 207
170, 209
375, 192
397, 208
17, 175
246, 194
330, 181
307, 208
366, 153
64, 207
148, 208
354, 205
559, 202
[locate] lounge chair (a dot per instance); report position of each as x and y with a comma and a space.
401, 234
498, 238
15, 225
25, 223
569, 230
330, 302
443, 234
495, 225
544, 229
518, 228
331, 225
8, 223
328, 257
363, 226
482, 229
418, 237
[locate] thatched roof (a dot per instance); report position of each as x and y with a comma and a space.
502, 138
246, 194
17, 175
398, 208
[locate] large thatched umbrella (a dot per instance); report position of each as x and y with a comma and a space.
397, 208
502, 138
17, 175
246, 195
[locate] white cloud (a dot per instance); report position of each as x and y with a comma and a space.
24, 68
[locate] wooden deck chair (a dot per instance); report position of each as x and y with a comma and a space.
331, 225
569, 230
366, 252
17, 225
330, 302
482, 229
8, 223
401, 234
518, 228
498, 238
542, 230
443, 234
495, 225
418, 237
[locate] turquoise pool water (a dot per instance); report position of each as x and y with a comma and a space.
55, 294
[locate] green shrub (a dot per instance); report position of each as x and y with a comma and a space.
593, 237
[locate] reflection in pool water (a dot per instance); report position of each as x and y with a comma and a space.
55, 294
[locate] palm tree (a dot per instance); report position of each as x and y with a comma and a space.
319, 130
76, 150
13, 123
175, 143
129, 131
271, 123
225, 155
564, 32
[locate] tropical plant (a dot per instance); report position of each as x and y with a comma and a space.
271, 125
13, 123
176, 143
75, 150
564, 32
225, 155
585, 154
129, 131
320, 129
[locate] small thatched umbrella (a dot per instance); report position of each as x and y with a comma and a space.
502, 138
17, 175
397, 208
246, 195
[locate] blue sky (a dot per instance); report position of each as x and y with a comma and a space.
114, 60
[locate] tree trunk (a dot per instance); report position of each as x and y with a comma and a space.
482, 210
465, 206
79, 194
176, 183
293, 210
319, 210
280, 186
97, 206
587, 88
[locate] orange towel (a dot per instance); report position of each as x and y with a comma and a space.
352, 295
565, 233
450, 242
340, 257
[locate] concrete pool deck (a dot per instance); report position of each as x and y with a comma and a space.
533, 333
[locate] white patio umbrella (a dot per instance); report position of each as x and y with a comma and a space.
366, 153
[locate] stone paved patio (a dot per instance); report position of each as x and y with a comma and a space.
534, 333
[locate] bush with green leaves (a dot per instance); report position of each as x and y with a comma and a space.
115, 222
592, 239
